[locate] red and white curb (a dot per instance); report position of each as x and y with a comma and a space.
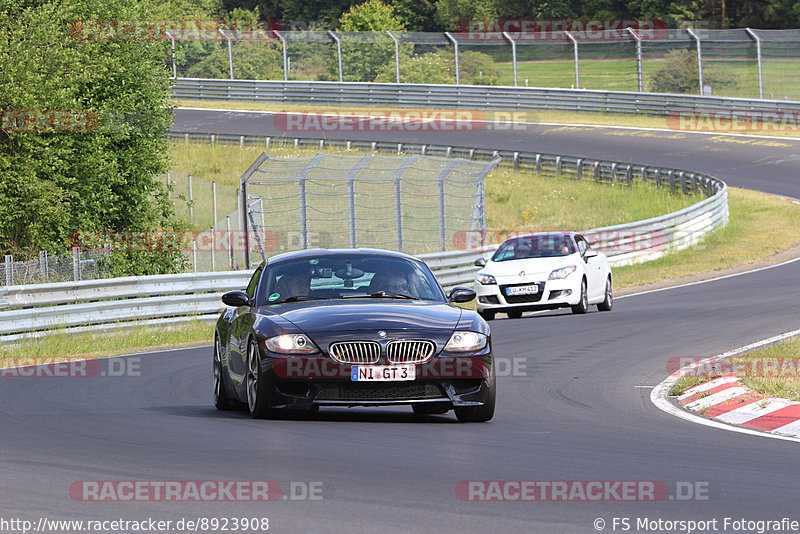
726, 399
728, 404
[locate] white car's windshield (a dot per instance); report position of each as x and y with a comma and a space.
536, 246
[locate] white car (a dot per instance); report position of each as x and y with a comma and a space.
543, 271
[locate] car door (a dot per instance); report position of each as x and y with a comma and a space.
241, 325
595, 270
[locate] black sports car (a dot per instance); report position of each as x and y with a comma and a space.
354, 327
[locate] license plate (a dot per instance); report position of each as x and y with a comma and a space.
522, 290
382, 373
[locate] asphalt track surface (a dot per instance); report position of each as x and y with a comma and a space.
577, 409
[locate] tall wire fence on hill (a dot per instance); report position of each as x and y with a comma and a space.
746, 63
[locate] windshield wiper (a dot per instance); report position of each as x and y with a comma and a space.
297, 298
381, 295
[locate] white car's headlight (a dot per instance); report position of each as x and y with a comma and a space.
465, 341
560, 274
291, 344
485, 279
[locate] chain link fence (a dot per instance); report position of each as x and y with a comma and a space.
413, 204
78, 265
737, 63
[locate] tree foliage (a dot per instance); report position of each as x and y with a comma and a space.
680, 74
59, 179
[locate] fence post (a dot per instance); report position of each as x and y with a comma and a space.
214, 200
575, 48
699, 59
76, 264
752, 34
230, 242
194, 254
9, 263
44, 268
230, 51
639, 73
396, 56
338, 53
174, 65
285, 60
455, 47
213, 249
513, 55
191, 201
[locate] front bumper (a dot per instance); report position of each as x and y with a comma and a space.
551, 294
302, 382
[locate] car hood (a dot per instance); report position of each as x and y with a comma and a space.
345, 317
535, 268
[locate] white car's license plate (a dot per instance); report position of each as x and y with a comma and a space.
382, 373
522, 290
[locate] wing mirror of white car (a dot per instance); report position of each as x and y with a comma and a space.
590, 254
480, 262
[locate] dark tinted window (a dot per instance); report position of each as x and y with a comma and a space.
337, 275
253, 284
536, 246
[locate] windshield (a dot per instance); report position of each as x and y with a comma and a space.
535, 246
336, 276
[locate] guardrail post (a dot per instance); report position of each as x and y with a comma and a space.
596, 170
629, 175
538, 164
613, 172
513, 55
9, 264
699, 58
516, 161
338, 53
579, 169
639, 72
558, 164
752, 34
575, 49
455, 48
671, 177
76, 264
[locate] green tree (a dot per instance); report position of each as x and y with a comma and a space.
450, 14
680, 74
365, 55
97, 175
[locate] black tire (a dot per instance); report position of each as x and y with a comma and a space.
431, 408
487, 315
483, 413
221, 399
583, 305
257, 403
608, 302
514, 314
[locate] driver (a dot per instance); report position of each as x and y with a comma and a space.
294, 284
390, 282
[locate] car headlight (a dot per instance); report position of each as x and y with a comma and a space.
560, 274
465, 342
291, 344
485, 279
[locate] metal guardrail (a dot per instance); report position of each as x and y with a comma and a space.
97, 305
477, 97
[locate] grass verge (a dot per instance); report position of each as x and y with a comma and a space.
773, 371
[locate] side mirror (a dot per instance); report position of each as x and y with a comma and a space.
461, 294
480, 262
235, 299
590, 253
